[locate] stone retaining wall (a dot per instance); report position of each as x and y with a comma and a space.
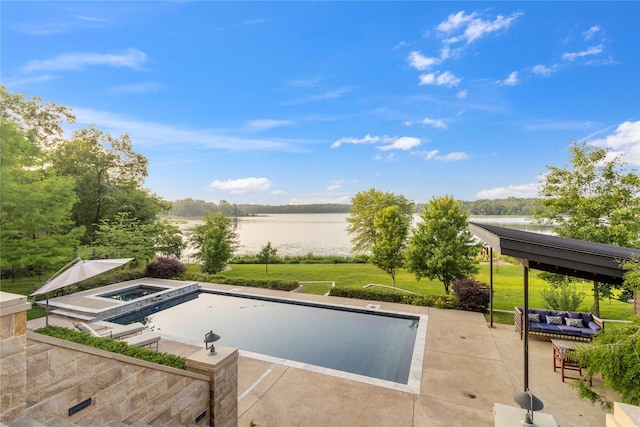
62, 374
13, 327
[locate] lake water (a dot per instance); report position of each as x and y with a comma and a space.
322, 234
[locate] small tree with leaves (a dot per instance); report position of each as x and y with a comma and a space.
441, 247
266, 254
388, 249
214, 241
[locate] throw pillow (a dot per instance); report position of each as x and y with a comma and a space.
554, 320
574, 322
534, 317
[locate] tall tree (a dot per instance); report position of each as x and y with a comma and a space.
42, 121
388, 249
125, 236
267, 253
595, 198
364, 208
214, 241
109, 177
35, 220
441, 247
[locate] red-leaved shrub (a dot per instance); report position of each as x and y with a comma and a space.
471, 294
165, 268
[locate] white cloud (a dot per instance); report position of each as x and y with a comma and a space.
454, 21
625, 140
523, 191
542, 70
132, 58
591, 32
462, 94
511, 80
242, 185
436, 123
420, 62
403, 143
428, 155
137, 88
368, 139
450, 157
332, 94
594, 50
155, 134
28, 80
334, 185
470, 28
440, 79
264, 124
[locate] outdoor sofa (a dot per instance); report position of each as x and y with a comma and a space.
570, 325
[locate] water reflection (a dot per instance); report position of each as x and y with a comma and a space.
323, 234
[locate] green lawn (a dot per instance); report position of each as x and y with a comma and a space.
507, 279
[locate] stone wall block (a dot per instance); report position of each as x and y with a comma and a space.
20, 323
13, 345
6, 327
38, 364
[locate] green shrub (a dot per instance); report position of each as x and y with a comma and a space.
563, 297
278, 285
114, 346
438, 301
471, 294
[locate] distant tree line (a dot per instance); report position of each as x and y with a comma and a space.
190, 208
509, 206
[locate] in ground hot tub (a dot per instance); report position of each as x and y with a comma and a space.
133, 292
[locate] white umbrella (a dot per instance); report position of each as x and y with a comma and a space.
77, 271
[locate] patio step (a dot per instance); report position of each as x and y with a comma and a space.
624, 416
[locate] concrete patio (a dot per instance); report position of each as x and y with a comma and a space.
468, 367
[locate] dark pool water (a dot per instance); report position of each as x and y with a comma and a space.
374, 345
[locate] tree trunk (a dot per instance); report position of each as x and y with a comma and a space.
596, 298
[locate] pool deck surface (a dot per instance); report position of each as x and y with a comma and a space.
468, 367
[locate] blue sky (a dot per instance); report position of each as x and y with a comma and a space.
311, 102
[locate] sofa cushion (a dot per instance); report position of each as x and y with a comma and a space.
593, 326
554, 320
546, 327
588, 332
576, 322
571, 330
534, 317
586, 318
574, 315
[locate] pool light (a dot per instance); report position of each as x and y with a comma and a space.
210, 338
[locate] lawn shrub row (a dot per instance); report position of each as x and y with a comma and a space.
114, 346
278, 285
309, 258
437, 301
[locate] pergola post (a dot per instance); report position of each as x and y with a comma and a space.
525, 321
491, 286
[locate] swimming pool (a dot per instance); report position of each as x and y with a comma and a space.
368, 343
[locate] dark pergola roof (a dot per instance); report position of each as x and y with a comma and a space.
571, 257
